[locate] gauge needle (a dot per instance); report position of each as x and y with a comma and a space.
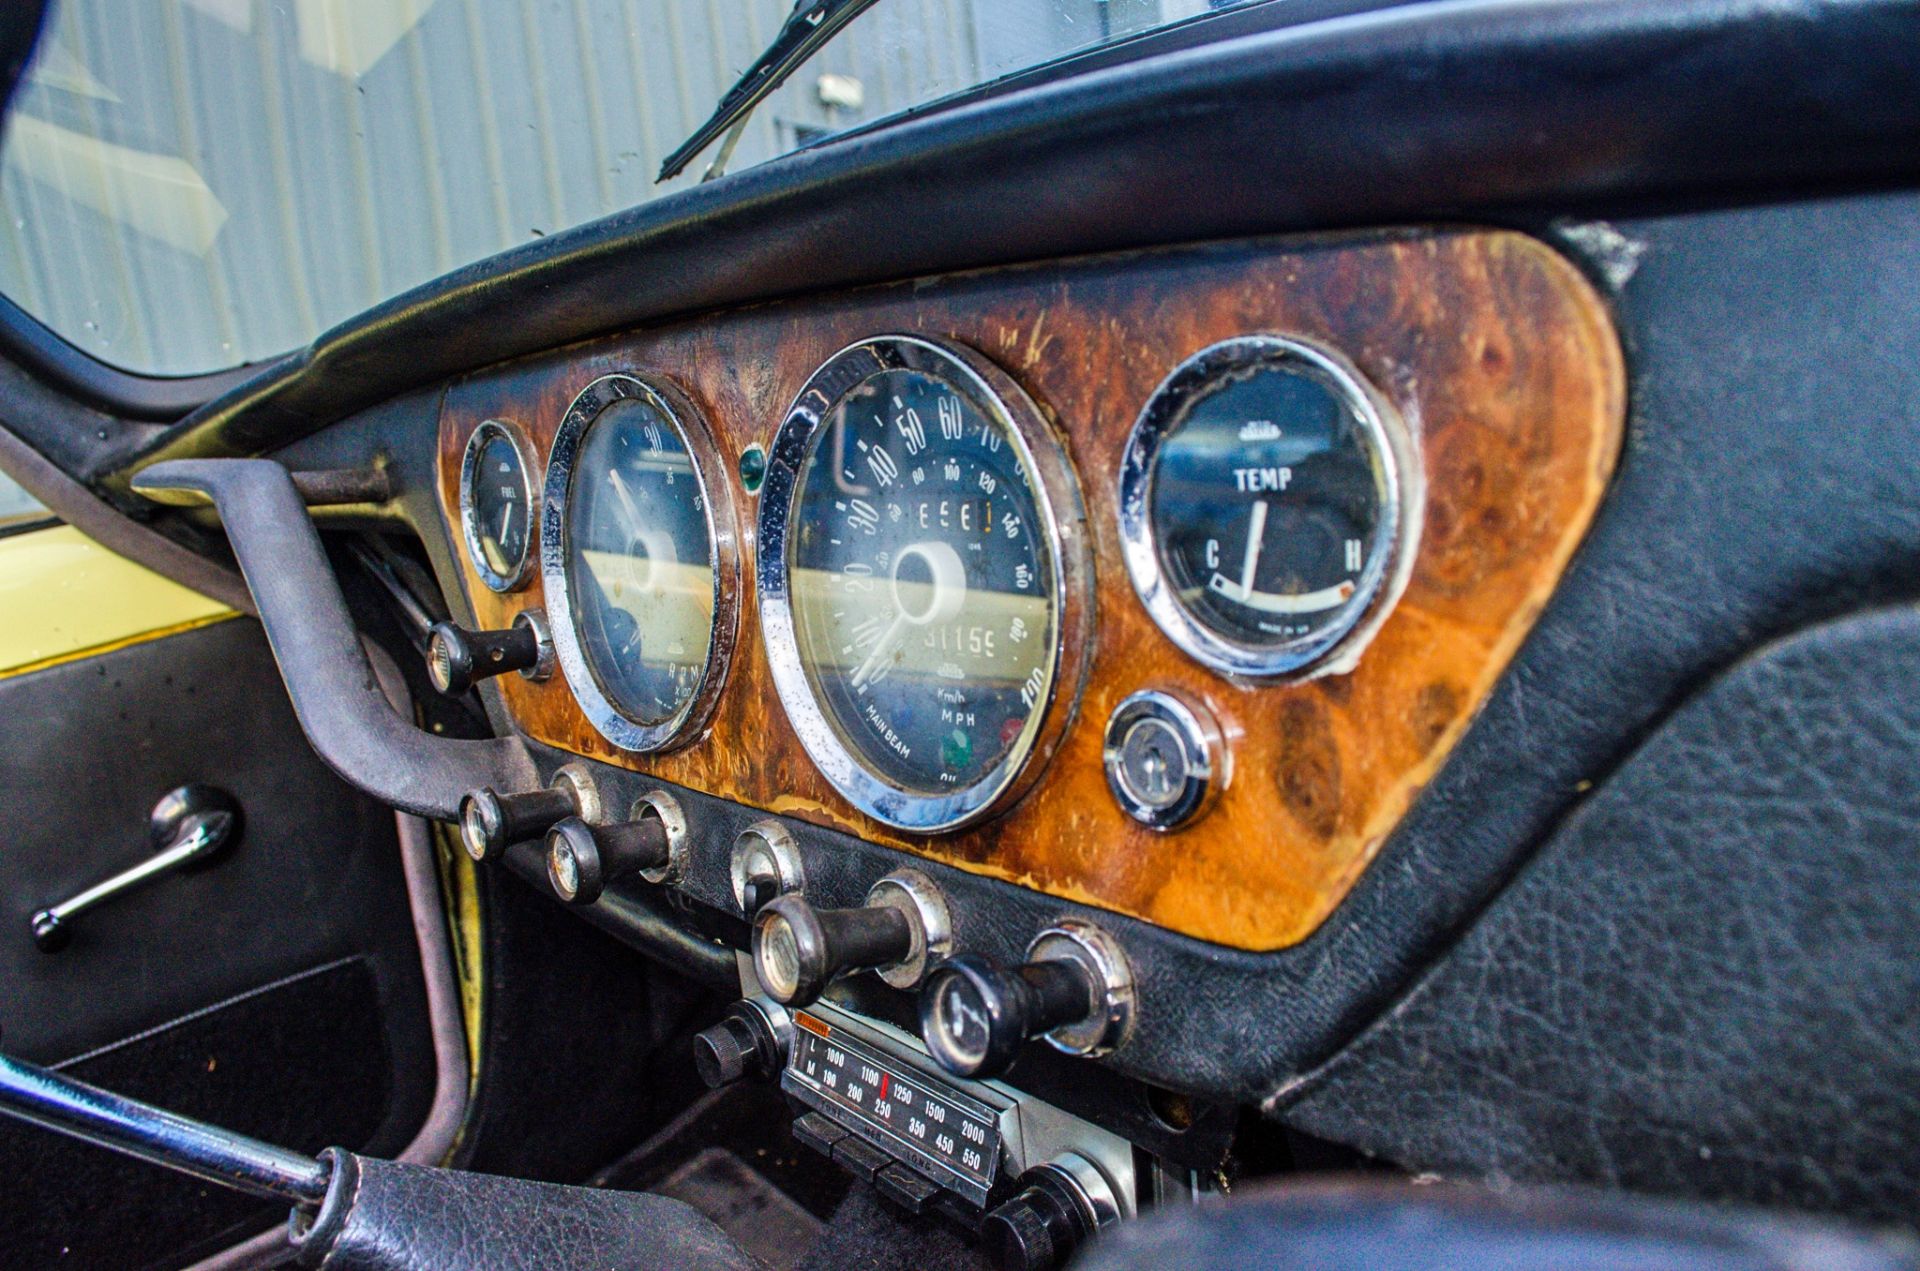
949, 596
628, 513
506, 520
1256, 535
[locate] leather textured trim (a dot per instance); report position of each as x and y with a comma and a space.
1707, 984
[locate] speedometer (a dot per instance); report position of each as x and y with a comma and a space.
923, 581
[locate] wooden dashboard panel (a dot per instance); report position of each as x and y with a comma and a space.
1496, 351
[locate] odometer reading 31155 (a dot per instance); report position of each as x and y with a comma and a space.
921, 577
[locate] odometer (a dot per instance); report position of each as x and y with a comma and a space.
920, 584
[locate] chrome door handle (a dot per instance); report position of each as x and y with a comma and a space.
189, 826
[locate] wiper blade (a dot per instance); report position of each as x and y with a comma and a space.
806, 30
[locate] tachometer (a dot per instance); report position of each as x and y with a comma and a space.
1266, 495
923, 581
638, 555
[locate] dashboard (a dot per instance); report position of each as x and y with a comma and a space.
1158, 582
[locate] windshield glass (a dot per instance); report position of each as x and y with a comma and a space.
192, 184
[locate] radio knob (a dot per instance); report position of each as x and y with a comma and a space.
1058, 1207
798, 949
750, 1040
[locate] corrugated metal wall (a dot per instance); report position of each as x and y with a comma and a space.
193, 183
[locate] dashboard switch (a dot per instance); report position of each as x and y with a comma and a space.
457, 658
582, 859
1165, 758
900, 931
491, 822
1075, 989
765, 864
975, 1014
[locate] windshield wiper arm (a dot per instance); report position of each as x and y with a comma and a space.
806, 30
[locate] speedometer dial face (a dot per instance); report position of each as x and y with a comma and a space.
1261, 503
633, 554
919, 604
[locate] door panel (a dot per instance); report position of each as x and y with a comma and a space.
277, 991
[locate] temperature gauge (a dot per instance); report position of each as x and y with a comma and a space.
1262, 505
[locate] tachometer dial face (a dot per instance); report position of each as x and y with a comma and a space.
496, 504
1261, 501
631, 557
919, 596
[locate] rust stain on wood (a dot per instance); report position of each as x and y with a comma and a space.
1496, 351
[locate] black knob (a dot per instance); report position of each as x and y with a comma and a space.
491, 822
798, 949
756, 892
582, 859
742, 1044
975, 1014
1038, 1229
457, 659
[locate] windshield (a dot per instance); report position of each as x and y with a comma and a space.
192, 184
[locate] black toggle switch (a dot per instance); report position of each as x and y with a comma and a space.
582, 859
798, 949
975, 1014
457, 659
491, 822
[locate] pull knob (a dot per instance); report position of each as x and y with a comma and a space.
189, 826
798, 949
457, 658
975, 1014
491, 822
582, 859
1075, 990
750, 1040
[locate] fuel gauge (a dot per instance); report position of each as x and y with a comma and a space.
1262, 505
496, 504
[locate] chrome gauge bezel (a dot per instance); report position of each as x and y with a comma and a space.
1056, 499
723, 543
470, 530
1391, 551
